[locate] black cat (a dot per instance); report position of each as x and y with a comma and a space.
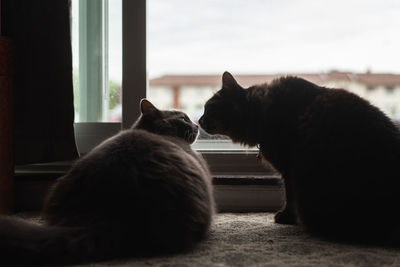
339, 155
142, 191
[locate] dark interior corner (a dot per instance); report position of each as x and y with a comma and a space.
36, 119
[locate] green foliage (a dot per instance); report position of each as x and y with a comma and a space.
115, 94
75, 83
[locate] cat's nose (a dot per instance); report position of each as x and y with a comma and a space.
201, 120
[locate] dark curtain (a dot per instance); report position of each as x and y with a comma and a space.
43, 90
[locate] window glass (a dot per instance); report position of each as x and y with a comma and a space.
349, 44
97, 60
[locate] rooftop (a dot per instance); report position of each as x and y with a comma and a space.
368, 79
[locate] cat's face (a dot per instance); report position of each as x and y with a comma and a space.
223, 113
166, 122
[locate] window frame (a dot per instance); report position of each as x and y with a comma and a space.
134, 77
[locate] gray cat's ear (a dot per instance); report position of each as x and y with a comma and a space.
228, 81
146, 106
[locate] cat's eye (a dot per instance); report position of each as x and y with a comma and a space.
186, 119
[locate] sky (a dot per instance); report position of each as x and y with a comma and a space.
265, 36
270, 36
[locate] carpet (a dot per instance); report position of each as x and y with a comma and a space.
253, 239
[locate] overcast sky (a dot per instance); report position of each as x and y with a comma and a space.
265, 36
270, 36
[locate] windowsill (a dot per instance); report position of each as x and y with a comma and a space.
51, 171
233, 192
222, 163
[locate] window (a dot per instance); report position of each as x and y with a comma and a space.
98, 91
97, 60
190, 43
91, 130
346, 44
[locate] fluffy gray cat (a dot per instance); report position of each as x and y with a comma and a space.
143, 191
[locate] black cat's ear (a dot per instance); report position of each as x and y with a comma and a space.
228, 81
146, 106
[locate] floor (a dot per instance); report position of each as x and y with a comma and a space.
253, 239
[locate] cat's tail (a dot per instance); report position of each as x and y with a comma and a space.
23, 242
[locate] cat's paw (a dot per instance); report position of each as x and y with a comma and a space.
285, 217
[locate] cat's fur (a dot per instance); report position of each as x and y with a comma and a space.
339, 155
142, 191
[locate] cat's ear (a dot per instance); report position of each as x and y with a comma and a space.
229, 82
146, 106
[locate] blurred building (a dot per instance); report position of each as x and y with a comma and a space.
190, 92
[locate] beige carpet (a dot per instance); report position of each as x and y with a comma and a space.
253, 239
